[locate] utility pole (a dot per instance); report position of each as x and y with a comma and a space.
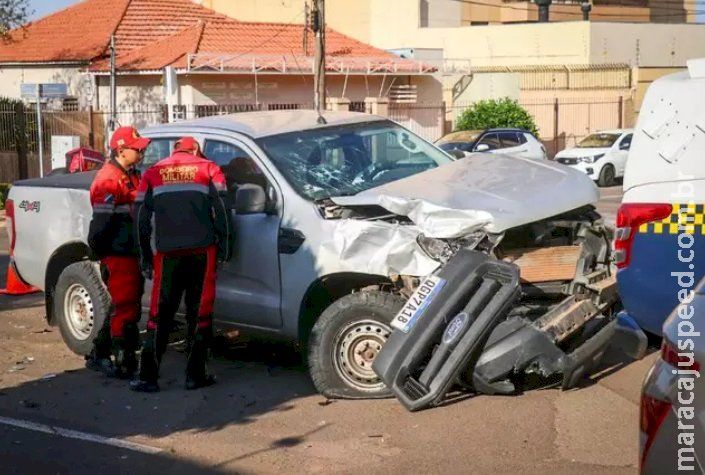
40, 131
318, 25
113, 86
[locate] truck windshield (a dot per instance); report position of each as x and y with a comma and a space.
348, 159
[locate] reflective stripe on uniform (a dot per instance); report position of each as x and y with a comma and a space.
180, 187
110, 209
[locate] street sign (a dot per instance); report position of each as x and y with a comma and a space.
46, 90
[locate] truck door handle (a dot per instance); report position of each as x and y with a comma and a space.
290, 240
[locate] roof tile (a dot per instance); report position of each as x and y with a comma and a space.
77, 33
152, 34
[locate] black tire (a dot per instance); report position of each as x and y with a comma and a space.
348, 324
607, 175
81, 282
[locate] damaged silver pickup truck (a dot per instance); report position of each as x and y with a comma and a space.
338, 222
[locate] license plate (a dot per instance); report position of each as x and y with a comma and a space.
417, 304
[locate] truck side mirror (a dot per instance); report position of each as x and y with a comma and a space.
250, 199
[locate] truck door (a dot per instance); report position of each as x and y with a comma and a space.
248, 291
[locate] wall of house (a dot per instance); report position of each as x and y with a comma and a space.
142, 92
646, 45
224, 89
653, 45
139, 99
80, 85
497, 11
521, 44
440, 13
643, 77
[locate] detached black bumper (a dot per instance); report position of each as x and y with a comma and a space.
455, 327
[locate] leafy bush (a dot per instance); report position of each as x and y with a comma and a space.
493, 113
4, 190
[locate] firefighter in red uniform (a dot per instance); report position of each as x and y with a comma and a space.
111, 239
186, 193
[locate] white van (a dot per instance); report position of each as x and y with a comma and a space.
659, 260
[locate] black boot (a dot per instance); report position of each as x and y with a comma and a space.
196, 375
99, 357
150, 360
124, 350
100, 364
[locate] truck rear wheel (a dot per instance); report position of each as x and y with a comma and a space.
344, 342
81, 305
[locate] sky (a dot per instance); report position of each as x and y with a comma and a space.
45, 7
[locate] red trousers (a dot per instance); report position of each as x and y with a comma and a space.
125, 285
190, 274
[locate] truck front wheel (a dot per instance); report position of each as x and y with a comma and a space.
344, 342
81, 305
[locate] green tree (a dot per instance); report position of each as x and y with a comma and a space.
494, 113
13, 13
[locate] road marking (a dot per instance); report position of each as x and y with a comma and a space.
72, 434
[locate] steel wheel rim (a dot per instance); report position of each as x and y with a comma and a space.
79, 311
355, 348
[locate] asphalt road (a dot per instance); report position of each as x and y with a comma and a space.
265, 417
610, 199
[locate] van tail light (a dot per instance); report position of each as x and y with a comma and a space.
629, 218
670, 355
652, 413
10, 224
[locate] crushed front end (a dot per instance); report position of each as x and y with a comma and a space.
556, 324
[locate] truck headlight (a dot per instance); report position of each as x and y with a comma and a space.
436, 249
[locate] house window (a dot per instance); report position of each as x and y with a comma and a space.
70, 104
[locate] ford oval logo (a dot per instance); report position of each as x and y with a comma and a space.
455, 327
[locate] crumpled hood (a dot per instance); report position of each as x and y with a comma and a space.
492, 192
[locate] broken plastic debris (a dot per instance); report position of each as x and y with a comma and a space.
48, 376
25, 360
16, 368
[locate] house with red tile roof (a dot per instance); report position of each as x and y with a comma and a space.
216, 60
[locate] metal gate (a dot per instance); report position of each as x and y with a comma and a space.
425, 120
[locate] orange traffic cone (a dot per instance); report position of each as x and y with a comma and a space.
15, 286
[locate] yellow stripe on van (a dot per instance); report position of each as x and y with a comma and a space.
692, 220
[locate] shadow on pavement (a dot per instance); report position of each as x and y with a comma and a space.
254, 379
24, 452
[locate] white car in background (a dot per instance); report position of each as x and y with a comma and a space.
506, 141
602, 155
